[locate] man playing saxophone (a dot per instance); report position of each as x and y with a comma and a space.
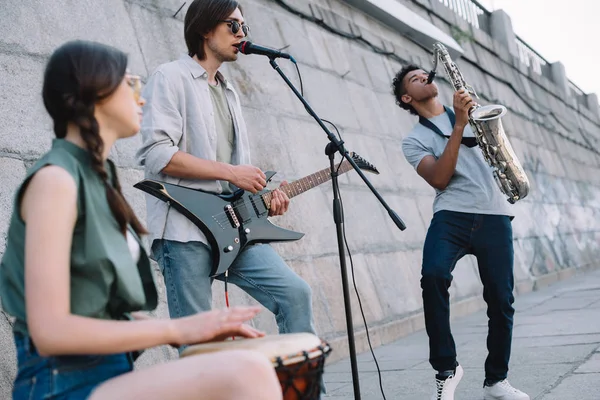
470, 216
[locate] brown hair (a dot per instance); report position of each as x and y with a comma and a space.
201, 18
77, 76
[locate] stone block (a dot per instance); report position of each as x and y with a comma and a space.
396, 277
124, 150
270, 152
175, 9
260, 86
160, 36
502, 31
12, 173
370, 118
559, 77
26, 128
328, 51
444, 12
39, 27
8, 357
135, 197
329, 97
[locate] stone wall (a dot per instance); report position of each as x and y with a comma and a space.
555, 137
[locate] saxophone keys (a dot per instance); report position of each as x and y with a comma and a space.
471, 91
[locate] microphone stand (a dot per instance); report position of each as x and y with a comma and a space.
332, 147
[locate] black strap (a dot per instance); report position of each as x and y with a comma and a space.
467, 141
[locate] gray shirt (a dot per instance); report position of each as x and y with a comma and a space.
224, 125
179, 116
472, 188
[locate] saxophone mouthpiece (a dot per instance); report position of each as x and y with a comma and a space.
431, 77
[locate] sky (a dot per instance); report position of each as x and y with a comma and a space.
565, 31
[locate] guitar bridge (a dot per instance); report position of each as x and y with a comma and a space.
233, 219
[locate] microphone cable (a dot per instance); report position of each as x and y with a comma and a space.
362, 313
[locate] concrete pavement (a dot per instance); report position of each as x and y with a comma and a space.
555, 355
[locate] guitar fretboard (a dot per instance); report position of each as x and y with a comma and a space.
308, 182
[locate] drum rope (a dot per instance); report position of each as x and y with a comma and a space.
227, 294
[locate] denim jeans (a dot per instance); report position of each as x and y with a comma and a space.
451, 235
258, 270
71, 377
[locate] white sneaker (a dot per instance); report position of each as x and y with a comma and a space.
503, 391
444, 389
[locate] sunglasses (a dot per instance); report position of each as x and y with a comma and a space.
235, 26
135, 82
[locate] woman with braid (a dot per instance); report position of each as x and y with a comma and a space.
75, 274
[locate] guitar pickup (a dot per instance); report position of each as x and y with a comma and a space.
259, 205
233, 219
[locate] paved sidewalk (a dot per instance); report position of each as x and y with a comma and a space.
555, 355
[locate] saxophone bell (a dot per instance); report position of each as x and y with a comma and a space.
485, 114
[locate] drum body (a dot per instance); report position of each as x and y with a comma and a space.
298, 359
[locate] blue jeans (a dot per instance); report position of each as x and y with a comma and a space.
258, 270
451, 235
71, 377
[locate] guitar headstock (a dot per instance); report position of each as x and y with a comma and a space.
364, 164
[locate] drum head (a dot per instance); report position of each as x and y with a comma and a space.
284, 346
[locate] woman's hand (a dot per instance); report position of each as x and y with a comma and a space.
215, 325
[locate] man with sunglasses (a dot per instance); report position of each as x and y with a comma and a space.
194, 135
470, 216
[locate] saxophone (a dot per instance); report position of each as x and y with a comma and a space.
489, 133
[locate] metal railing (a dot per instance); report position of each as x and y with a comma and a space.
575, 89
578, 94
532, 58
469, 10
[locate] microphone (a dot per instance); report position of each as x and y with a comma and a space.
247, 47
430, 77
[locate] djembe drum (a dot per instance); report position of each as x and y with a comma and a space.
298, 359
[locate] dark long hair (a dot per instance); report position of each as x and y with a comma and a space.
201, 18
77, 76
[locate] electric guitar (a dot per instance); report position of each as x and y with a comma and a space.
233, 221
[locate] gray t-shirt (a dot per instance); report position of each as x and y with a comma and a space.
472, 188
224, 125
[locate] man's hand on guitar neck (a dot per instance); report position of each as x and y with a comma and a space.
279, 202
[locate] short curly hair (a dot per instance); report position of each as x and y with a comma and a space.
399, 90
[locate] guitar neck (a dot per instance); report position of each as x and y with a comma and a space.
308, 182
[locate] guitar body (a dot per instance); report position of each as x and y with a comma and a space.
230, 222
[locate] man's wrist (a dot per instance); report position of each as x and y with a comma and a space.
228, 172
459, 128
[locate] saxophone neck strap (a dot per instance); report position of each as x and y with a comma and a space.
467, 141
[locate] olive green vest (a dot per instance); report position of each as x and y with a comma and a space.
105, 282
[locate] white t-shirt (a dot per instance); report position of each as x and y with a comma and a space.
134, 246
